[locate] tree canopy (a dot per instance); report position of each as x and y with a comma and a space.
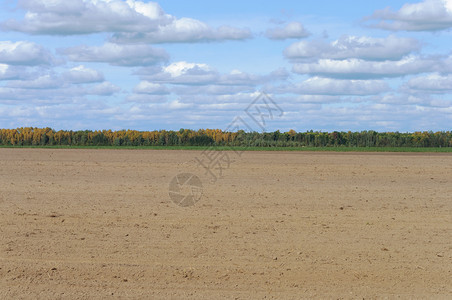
30, 136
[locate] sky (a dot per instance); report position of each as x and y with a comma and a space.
127, 64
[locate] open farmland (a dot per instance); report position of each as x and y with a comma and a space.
83, 224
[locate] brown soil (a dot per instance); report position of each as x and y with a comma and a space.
86, 224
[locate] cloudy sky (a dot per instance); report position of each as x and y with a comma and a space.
127, 64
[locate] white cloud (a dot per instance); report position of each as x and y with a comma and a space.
361, 69
180, 68
212, 89
187, 73
428, 15
42, 82
247, 79
419, 101
317, 99
151, 9
8, 72
184, 30
327, 86
118, 55
146, 98
132, 21
446, 65
367, 48
4, 70
197, 82
61, 17
176, 104
146, 87
24, 53
48, 86
181, 73
432, 83
400, 99
81, 74
293, 30
104, 89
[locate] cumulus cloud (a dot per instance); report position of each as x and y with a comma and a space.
428, 15
177, 104
293, 30
180, 68
118, 55
352, 57
104, 89
5, 72
421, 101
8, 72
212, 89
45, 84
24, 53
367, 48
316, 99
401, 99
446, 65
131, 21
61, 17
180, 73
146, 98
361, 69
146, 87
328, 86
247, 79
53, 89
81, 74
197, 82
42, 82
432, 83
183, 30
187, 73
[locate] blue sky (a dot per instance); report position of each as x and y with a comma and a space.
127, 64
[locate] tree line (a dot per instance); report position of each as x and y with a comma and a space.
29, 136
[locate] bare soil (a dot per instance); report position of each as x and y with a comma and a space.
87, 224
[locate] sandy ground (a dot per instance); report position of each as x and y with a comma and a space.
86, 224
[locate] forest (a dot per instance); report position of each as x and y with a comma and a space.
29, 136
